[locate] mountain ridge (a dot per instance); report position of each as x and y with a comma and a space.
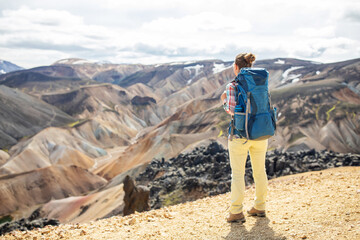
6, 67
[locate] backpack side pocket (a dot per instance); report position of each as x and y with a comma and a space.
239, 118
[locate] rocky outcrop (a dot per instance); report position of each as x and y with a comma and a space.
136, 197
206, 171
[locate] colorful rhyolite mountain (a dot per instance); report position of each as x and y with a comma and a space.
110, 120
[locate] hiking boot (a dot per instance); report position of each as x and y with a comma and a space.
254, 212
236, 217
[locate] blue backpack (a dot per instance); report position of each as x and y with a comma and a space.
254, 117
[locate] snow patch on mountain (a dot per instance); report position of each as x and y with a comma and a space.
219, 67
182, 63
83, 61
287, 76
176, 63
279, 61
197, 68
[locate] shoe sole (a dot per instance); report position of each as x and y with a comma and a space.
257, 214
238, 220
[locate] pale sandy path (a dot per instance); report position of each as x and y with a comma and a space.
112, 154
314, 205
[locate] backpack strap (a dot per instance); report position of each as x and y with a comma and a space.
247, 116
232, 130
269, 98
271, 106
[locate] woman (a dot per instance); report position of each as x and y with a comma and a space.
238, 152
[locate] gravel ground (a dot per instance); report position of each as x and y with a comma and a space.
313, 205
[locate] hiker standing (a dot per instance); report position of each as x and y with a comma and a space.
244, 105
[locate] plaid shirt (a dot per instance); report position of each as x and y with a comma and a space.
230, 101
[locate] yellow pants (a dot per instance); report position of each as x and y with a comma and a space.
238, 152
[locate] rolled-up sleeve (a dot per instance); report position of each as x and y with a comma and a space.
230, 101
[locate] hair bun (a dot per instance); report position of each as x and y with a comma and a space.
250, 58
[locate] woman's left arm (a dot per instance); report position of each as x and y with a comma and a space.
228, 98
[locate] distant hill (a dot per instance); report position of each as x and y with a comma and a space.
102, 72
6, 67
44, 79
65, 75
23, 115
22, 192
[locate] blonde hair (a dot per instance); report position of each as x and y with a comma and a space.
244, 60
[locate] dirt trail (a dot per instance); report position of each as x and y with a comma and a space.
112, 154
313, 205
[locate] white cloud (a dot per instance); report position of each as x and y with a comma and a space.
42, 30
41, 17
33, 57
204, 22
328, 31
162, 31
130, 4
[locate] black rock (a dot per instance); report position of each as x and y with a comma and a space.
206, 170
26, 224
314, 166
191, 183
355, 162
347, 161
311, 152
338, 164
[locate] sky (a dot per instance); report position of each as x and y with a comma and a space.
41, 32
